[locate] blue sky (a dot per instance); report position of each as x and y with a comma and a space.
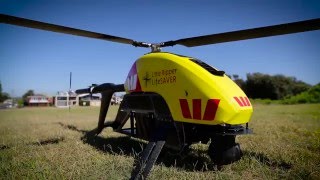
42, 61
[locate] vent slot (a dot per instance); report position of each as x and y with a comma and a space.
208, 67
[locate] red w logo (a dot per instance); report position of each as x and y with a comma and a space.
242, 101
209, 113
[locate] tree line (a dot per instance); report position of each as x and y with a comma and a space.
274, 87
3, 95
258, 86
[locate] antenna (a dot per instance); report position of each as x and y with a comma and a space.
69, 90
70, 81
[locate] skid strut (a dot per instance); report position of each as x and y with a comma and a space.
149, 155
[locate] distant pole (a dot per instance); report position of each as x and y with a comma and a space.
69, 91
70, 81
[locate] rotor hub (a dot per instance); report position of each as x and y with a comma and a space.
155, 48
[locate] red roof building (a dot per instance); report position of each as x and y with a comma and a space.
37, 100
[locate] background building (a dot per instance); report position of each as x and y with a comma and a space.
37, 100
89, 100
65, 99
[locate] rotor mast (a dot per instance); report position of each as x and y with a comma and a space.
155, 47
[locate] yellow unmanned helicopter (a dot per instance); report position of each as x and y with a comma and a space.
177, 100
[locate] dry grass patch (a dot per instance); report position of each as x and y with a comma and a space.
51, 143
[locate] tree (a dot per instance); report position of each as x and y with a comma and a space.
3, 95
28, 93
240, 82
265, 86
260, 85
235, 76
310, 96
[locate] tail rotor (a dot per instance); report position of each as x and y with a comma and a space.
106, 90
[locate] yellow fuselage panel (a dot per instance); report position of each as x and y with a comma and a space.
193, 94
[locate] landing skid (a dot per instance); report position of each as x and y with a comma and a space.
144, 163
149, 155
149, 119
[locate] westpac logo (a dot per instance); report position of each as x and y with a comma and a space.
242, 101
131, 82
209, 113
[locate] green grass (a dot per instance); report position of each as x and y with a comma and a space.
51, 143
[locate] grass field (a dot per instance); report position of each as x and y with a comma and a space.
51, 143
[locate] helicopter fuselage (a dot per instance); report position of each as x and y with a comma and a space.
194, 91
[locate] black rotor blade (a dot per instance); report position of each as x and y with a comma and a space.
60, 29
281, 29
83, 91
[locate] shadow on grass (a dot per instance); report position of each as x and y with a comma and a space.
267, 161
48, 141
190, 161
4, 147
